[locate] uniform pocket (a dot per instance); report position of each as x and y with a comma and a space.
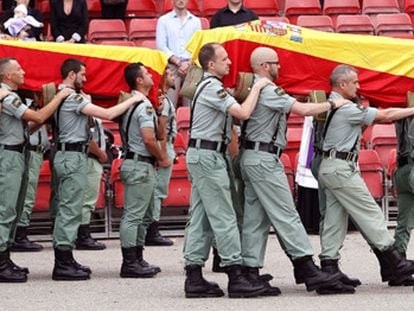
134, 172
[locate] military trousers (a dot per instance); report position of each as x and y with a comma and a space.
12, 165
404, 183
163, 180
35, 162
93, 183
268, 203
139, 180
211, 211
315, 164
347, 194
71, 169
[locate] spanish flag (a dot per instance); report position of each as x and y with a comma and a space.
307, 57
104, 64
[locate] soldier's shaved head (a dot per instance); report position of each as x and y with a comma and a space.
262, 55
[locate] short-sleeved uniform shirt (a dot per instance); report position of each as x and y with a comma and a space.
73, 124
40, 137
345, 128
143, 116
210, 110
269, 116
169, 112
12, 130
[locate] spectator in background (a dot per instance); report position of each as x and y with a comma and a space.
8, 4
113, 9
29, 30
69, 20
234, 13
174, 31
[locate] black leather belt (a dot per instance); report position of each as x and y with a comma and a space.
77, 147
266, 147
37, 148
17, 148
401, 161
132, 155
347, 156
208, 144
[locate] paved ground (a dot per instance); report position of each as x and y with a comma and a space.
107, 291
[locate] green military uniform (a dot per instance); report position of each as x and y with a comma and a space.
268, 198
12, 164
94, 174
38, 143
211, 212
70, 166
346, 192
138, 175
164, 174
404, 183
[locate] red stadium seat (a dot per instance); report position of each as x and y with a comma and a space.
294, 138
263, 7
366, 138
150, 44
316, 22
192, 5
295, 120
117, 43
383, 140
183, 118
43, 188
341, 7
94, 8
275, 19
116, 184
142, 29
107, 29
141, 9
179, 189
290, 172
205, 23
180, 146
380, 6
393, 24
356, 24
210, 7
372, 172
295, 8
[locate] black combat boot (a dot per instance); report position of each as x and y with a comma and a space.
400, 266
8, 274
239, 286
85, 240
387, 274
252, 274
22, 243
65, 268
131, 268
331, 266
154, 237
315, 279
197, 287
15, 267
79, 266
216, 262
143, 262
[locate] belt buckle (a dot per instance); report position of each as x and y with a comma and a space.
332, 154
350, 157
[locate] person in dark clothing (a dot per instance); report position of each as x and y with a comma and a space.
8, 4
33, 32
113, 9
69, 20
234, 13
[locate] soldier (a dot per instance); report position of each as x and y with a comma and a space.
211, 211
70, 165
268, 198
96, 158
139, 132
168, 131
13, 137
345, 190
38, 143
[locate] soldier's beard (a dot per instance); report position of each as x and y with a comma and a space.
78, 87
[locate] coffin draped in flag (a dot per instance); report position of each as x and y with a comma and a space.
104, 64
307, 57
